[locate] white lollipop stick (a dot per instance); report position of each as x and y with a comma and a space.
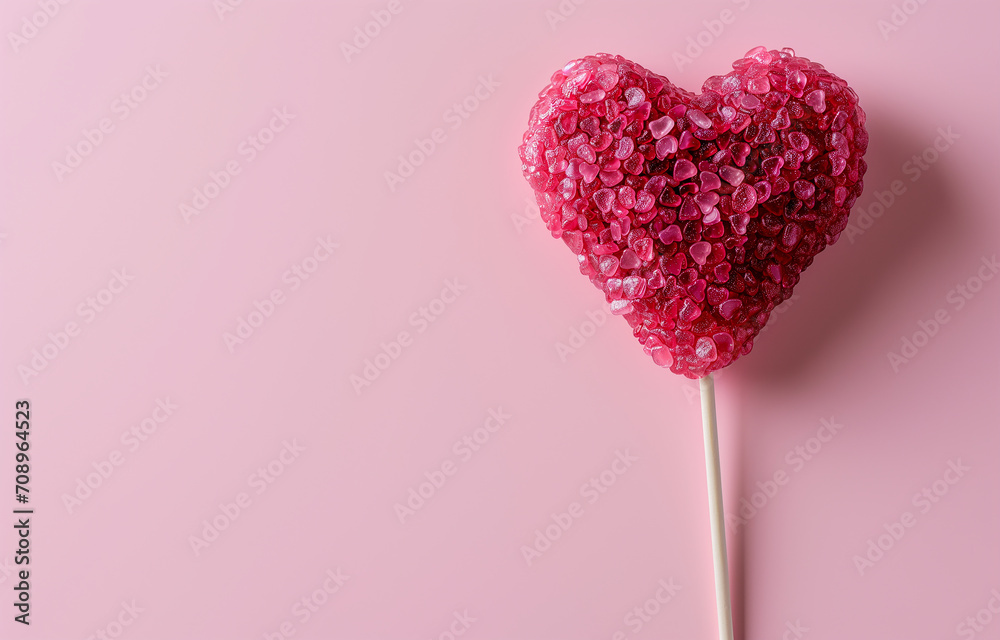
723, 602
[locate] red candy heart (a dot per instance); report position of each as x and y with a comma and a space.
695, 214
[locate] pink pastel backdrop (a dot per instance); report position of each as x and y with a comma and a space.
284, 396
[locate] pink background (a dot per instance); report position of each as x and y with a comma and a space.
284, 397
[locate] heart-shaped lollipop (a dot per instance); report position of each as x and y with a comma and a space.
695, 214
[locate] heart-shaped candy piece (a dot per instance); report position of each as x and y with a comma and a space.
695, 214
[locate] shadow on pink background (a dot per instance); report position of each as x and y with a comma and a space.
196, 477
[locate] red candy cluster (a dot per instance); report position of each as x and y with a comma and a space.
695, 214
